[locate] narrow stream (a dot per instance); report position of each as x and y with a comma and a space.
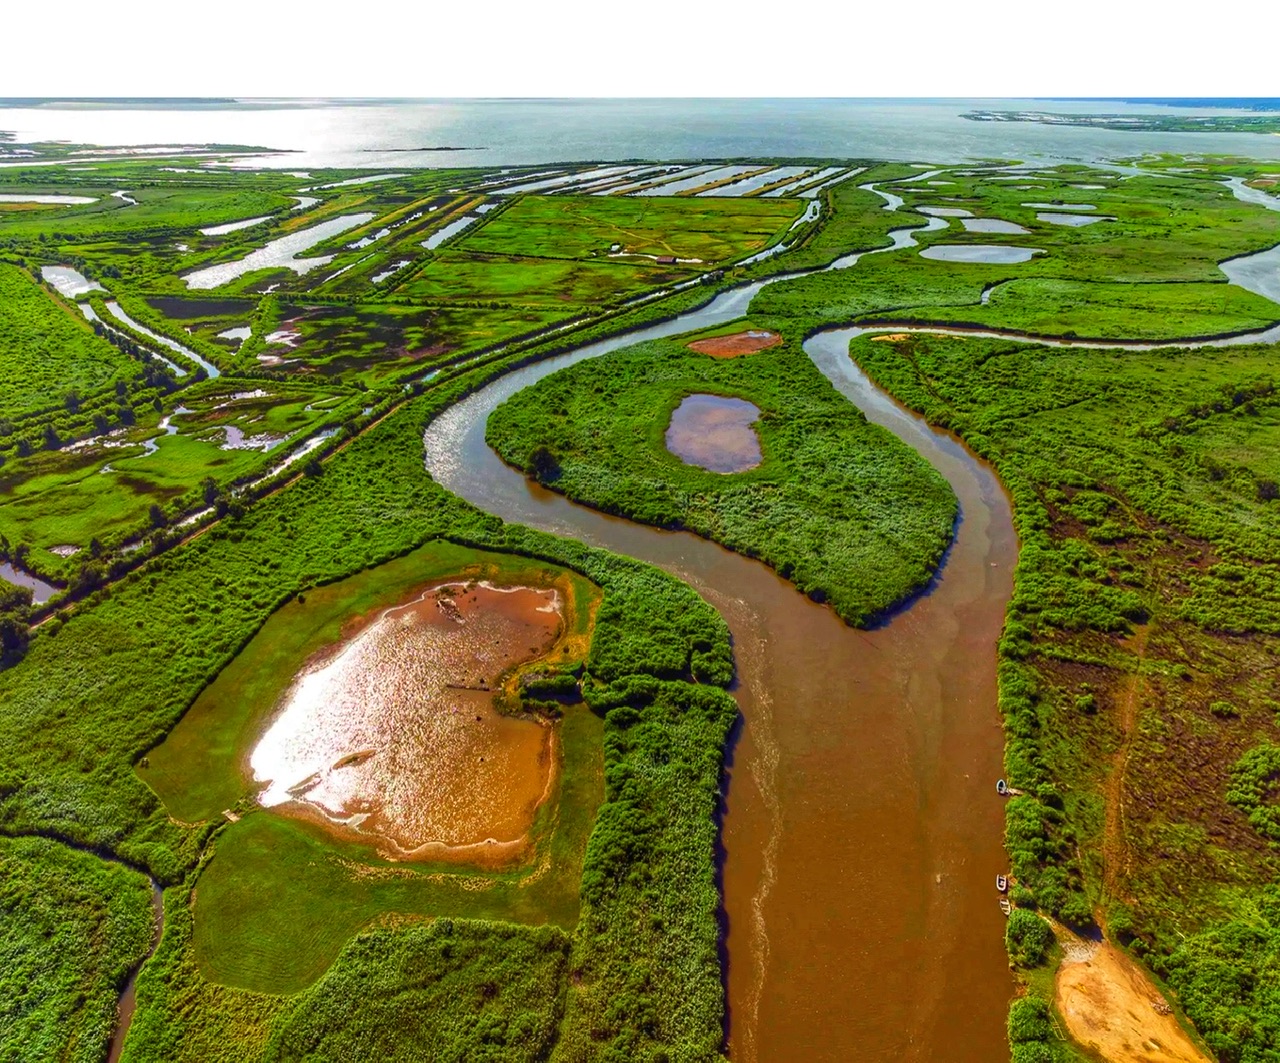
862, 835
128, 998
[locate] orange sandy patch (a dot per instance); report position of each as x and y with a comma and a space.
891, 337
738, 344
1111, 1007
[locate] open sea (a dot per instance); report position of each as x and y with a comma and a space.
385, 134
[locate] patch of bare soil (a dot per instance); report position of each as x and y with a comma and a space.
1111, 1007
1114, 847
738, 344
891, 337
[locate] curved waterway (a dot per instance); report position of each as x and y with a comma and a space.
128, 1001
861, 832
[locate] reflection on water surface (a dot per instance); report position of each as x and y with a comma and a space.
393, 735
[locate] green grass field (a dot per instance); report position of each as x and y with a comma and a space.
48, 351
710, 230
534, 282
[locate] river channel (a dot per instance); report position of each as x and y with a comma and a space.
861, 832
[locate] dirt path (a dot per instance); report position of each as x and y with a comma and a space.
1111, 1007
1114, 847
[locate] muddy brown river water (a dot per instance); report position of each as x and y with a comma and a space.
861, 832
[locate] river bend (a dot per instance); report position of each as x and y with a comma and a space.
862, 833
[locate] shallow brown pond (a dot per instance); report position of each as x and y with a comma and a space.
392, 735
715, 433
736, 345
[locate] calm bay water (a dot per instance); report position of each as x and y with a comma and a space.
509, 132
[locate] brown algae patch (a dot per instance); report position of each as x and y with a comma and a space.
715, 433
736, 345
393, 738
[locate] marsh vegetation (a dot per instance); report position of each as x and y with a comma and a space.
209, 537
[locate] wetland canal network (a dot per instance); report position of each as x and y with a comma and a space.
643, 590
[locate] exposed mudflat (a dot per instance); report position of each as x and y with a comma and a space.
736, 345
1113, 1009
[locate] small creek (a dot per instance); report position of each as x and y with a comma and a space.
115, 310
128, 998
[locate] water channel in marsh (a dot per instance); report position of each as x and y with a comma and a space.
861, 834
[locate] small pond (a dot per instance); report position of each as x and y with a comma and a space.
991, 254
392, 735
40, 590
715, 433
63, 200
993, 225
279, 253
452, 229
1258, 273
233, 226
69, 282
1060, 206
1075, 221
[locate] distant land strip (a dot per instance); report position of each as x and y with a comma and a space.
1142, 123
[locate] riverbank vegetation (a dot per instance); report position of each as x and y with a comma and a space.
75, 927
1135, 674
49, 356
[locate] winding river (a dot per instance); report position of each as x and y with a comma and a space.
861, 833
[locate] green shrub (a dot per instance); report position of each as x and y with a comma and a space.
1027, 938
